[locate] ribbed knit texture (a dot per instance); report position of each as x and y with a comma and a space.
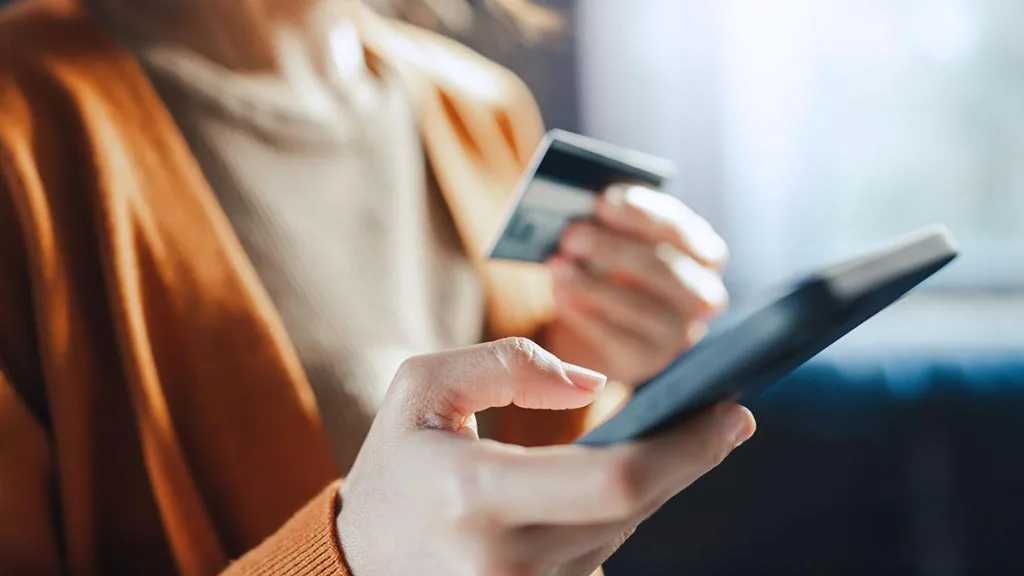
332, 201
307, 544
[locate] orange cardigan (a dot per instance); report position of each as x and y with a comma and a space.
154, 417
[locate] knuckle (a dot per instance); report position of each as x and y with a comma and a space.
463, 492
411, 372
713, 450
413, 368
517, 352
625, 486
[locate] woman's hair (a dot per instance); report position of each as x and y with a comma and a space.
530, 21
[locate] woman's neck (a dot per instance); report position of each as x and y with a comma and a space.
237, 34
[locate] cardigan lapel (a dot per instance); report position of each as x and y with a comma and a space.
479, 125
197, 335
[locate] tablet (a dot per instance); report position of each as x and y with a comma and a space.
756, 350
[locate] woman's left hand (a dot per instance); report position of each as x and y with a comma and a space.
635, 286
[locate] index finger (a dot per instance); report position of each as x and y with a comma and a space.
444, 389
576, 485
658, 217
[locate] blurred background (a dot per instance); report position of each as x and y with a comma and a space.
807, 131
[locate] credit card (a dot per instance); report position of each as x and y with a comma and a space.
567, 175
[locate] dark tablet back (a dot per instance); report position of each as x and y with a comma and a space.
759, 349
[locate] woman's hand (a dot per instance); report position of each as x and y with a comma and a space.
425, 496
634, 287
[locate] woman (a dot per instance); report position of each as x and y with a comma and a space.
223, 227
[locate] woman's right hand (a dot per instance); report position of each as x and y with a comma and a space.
426, 496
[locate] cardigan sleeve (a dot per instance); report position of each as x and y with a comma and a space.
307, 544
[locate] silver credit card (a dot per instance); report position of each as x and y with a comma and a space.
564, 180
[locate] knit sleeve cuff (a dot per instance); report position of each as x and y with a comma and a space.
306, 545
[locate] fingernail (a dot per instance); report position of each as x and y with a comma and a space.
585, 378
578, 241
737, 423
714, 293
696, 332
616, 196
705, 284
714, 249
709, 288
635, 196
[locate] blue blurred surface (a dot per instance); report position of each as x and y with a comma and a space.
907, 464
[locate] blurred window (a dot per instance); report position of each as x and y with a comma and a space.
821, 128
855, 120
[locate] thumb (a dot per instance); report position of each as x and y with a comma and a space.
444, 390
